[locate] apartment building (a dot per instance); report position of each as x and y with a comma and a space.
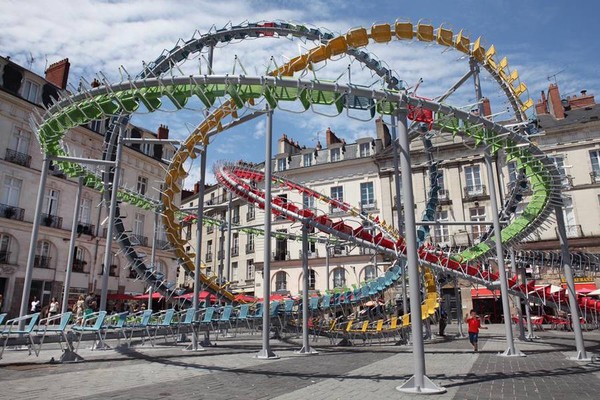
22, 91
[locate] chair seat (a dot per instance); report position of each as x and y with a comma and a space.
18, 332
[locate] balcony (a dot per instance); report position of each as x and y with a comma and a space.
335, 211
86, 228
573, 231
220, 255
311, 254
369, 206
163, 245
475, 193
41, 262
216, 200
250, 248
79, 265
208, 257
15, 157
11, 212
595, 176
138, 240
52, 221
235, 251
235, 219
280, 255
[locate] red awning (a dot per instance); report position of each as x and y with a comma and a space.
583, 288
484, 293
203, 295
145, 296
119, 296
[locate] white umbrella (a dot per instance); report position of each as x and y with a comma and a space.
594, 293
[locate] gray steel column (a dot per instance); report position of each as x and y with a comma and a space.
459, 317
67, 286
511, 350
199, 230
265, 352
35, 229
418, 383
306, 349
228, 239
153, 256
517, 299
530, 334
112, 211
399, 208
573, 307
327, 266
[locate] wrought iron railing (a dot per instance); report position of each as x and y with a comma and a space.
208, 257
367, 206
311, 254
250, 216
475, 191
52, 221
280, 256
4, 257
235, 251
41, 262
595, 176
16, 157
12, 212
249, 248
86, 228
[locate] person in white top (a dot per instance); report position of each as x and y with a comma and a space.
35, 305
53, 310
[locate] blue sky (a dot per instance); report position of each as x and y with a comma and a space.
540, 39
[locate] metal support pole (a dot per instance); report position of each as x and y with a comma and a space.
517, 299
153, 256
265, 352
35, 229
228, 240
418, 383
530, 334
399, 207
511, 350
67, 286
459, 319
195, 345
306, 349
327, 267
112, 211
573, 307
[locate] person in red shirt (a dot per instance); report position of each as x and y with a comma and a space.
474, 323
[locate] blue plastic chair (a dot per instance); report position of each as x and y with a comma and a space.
11, 329
117, 326
138, 326
243, 316
187, 319
224, 320
50, 325
91, 323
163, 321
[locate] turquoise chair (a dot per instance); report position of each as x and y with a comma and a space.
11, 329
57, 324
91, 323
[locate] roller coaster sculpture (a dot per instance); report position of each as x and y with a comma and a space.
159, 81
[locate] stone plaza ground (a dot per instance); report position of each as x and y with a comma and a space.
229, 370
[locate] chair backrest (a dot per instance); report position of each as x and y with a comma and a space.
274, 308
208, 314
364, 326
64, 320
169, 314
190, 315
326, 301
99, 320
122, 319
2, 316
226, 314
146, 317
394, 323
313, 303
259, 311
33, 319
289, 306
243, 314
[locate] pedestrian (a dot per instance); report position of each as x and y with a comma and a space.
53, 310
1, 301
79, 308
35, 305
474, 323
443, 322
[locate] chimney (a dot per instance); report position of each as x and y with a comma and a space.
383, 132
196, 187
331, 137
487, 108
95, 83
163, 132
554, 103
585, 100
58, 73
542, 105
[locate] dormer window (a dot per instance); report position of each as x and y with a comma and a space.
335, 154
365, 149
31, 91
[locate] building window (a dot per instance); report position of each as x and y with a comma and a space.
85, 211
142, 185
42, 257
209, 250
250, 243
335, 154
477, 214
559, 163
312, 279
235, 244
569, 217
51, 201
79, 260
12, 191
369, 273
281, 164
365, 149
234, 271
339, 278
337, 193
20, 141
96, 125
473, 178
595, 157
251, 214
30, 91
367, 195
308, 201
138, 224
441, 234
280, 281
250, 269
4, 249
307, 160
235, 217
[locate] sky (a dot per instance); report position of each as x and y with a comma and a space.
546, 41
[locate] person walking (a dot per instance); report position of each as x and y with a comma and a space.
443, 322
54, 306
35, 305
474, 323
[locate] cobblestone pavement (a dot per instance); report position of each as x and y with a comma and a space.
230, 371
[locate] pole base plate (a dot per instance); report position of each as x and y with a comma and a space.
428, 387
